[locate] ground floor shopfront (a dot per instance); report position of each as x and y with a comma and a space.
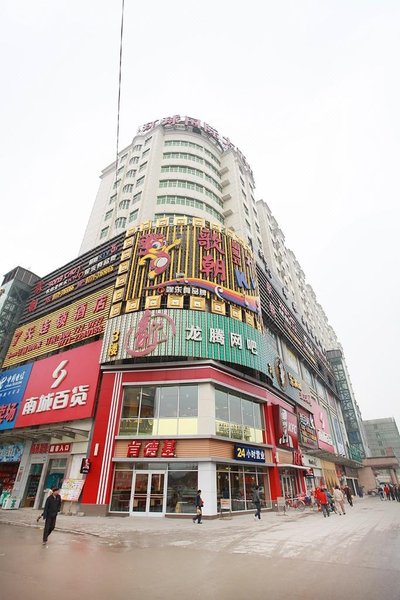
48, 461
169, 488
162, 434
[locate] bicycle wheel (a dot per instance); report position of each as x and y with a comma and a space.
300, 505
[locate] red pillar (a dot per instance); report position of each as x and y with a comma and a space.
275, 482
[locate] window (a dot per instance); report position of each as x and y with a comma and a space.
133, 215
136, 197
237, 417
137, 148
108, 215
113, 198
192, 202
161, 410
134, 160
290, 358
131, 173
140, 181
120, 222
116, 183
145, 153
190, 185
142, 166
127, 188
147, 141
103, 232
123, 158
121, 493
236, 483
124, 204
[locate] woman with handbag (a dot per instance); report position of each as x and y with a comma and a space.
199, 505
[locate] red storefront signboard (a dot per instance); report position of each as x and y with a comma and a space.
61, 387
151, 449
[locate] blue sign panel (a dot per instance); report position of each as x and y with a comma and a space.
249, 453
12, 387
11, 452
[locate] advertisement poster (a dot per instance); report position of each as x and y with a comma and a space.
285, 428
71, 489
307, 430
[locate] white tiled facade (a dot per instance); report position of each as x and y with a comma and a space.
175, 170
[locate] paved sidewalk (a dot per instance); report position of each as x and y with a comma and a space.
114, 527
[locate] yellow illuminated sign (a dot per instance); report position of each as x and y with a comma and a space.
78, 321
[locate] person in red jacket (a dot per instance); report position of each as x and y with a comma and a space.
322, 500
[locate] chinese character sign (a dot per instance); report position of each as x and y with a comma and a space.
151, 449
61, 387
184, 333
79, 321
249, 453
12, 386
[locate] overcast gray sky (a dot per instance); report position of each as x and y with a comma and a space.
308, 90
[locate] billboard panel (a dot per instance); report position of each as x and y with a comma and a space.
61, 387
12, 386
183, 333
81, 320
187, 266
307, 430
89, 272
285, 428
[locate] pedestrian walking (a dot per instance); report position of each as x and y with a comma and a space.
391, 490
331, 501
322, 500
397, 492
339, 500
257, 502
347, 493
387, 491
51, 509
199, 508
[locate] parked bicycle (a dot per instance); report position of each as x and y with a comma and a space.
295, 503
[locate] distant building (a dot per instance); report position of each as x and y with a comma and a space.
383, 437
14, 292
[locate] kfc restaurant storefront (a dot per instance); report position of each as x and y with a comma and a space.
161, 434
54, 420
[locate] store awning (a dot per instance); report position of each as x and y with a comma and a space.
290, 466
335, 458
46, 433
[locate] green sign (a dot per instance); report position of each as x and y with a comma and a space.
184, 333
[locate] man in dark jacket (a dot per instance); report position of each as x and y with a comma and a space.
199, 508
50, 512
257, 502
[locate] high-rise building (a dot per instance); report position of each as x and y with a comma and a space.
382, 436
175, 168
208, 346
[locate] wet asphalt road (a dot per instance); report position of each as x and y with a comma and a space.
348, 557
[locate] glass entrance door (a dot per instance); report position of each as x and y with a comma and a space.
32, 485
148, 493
